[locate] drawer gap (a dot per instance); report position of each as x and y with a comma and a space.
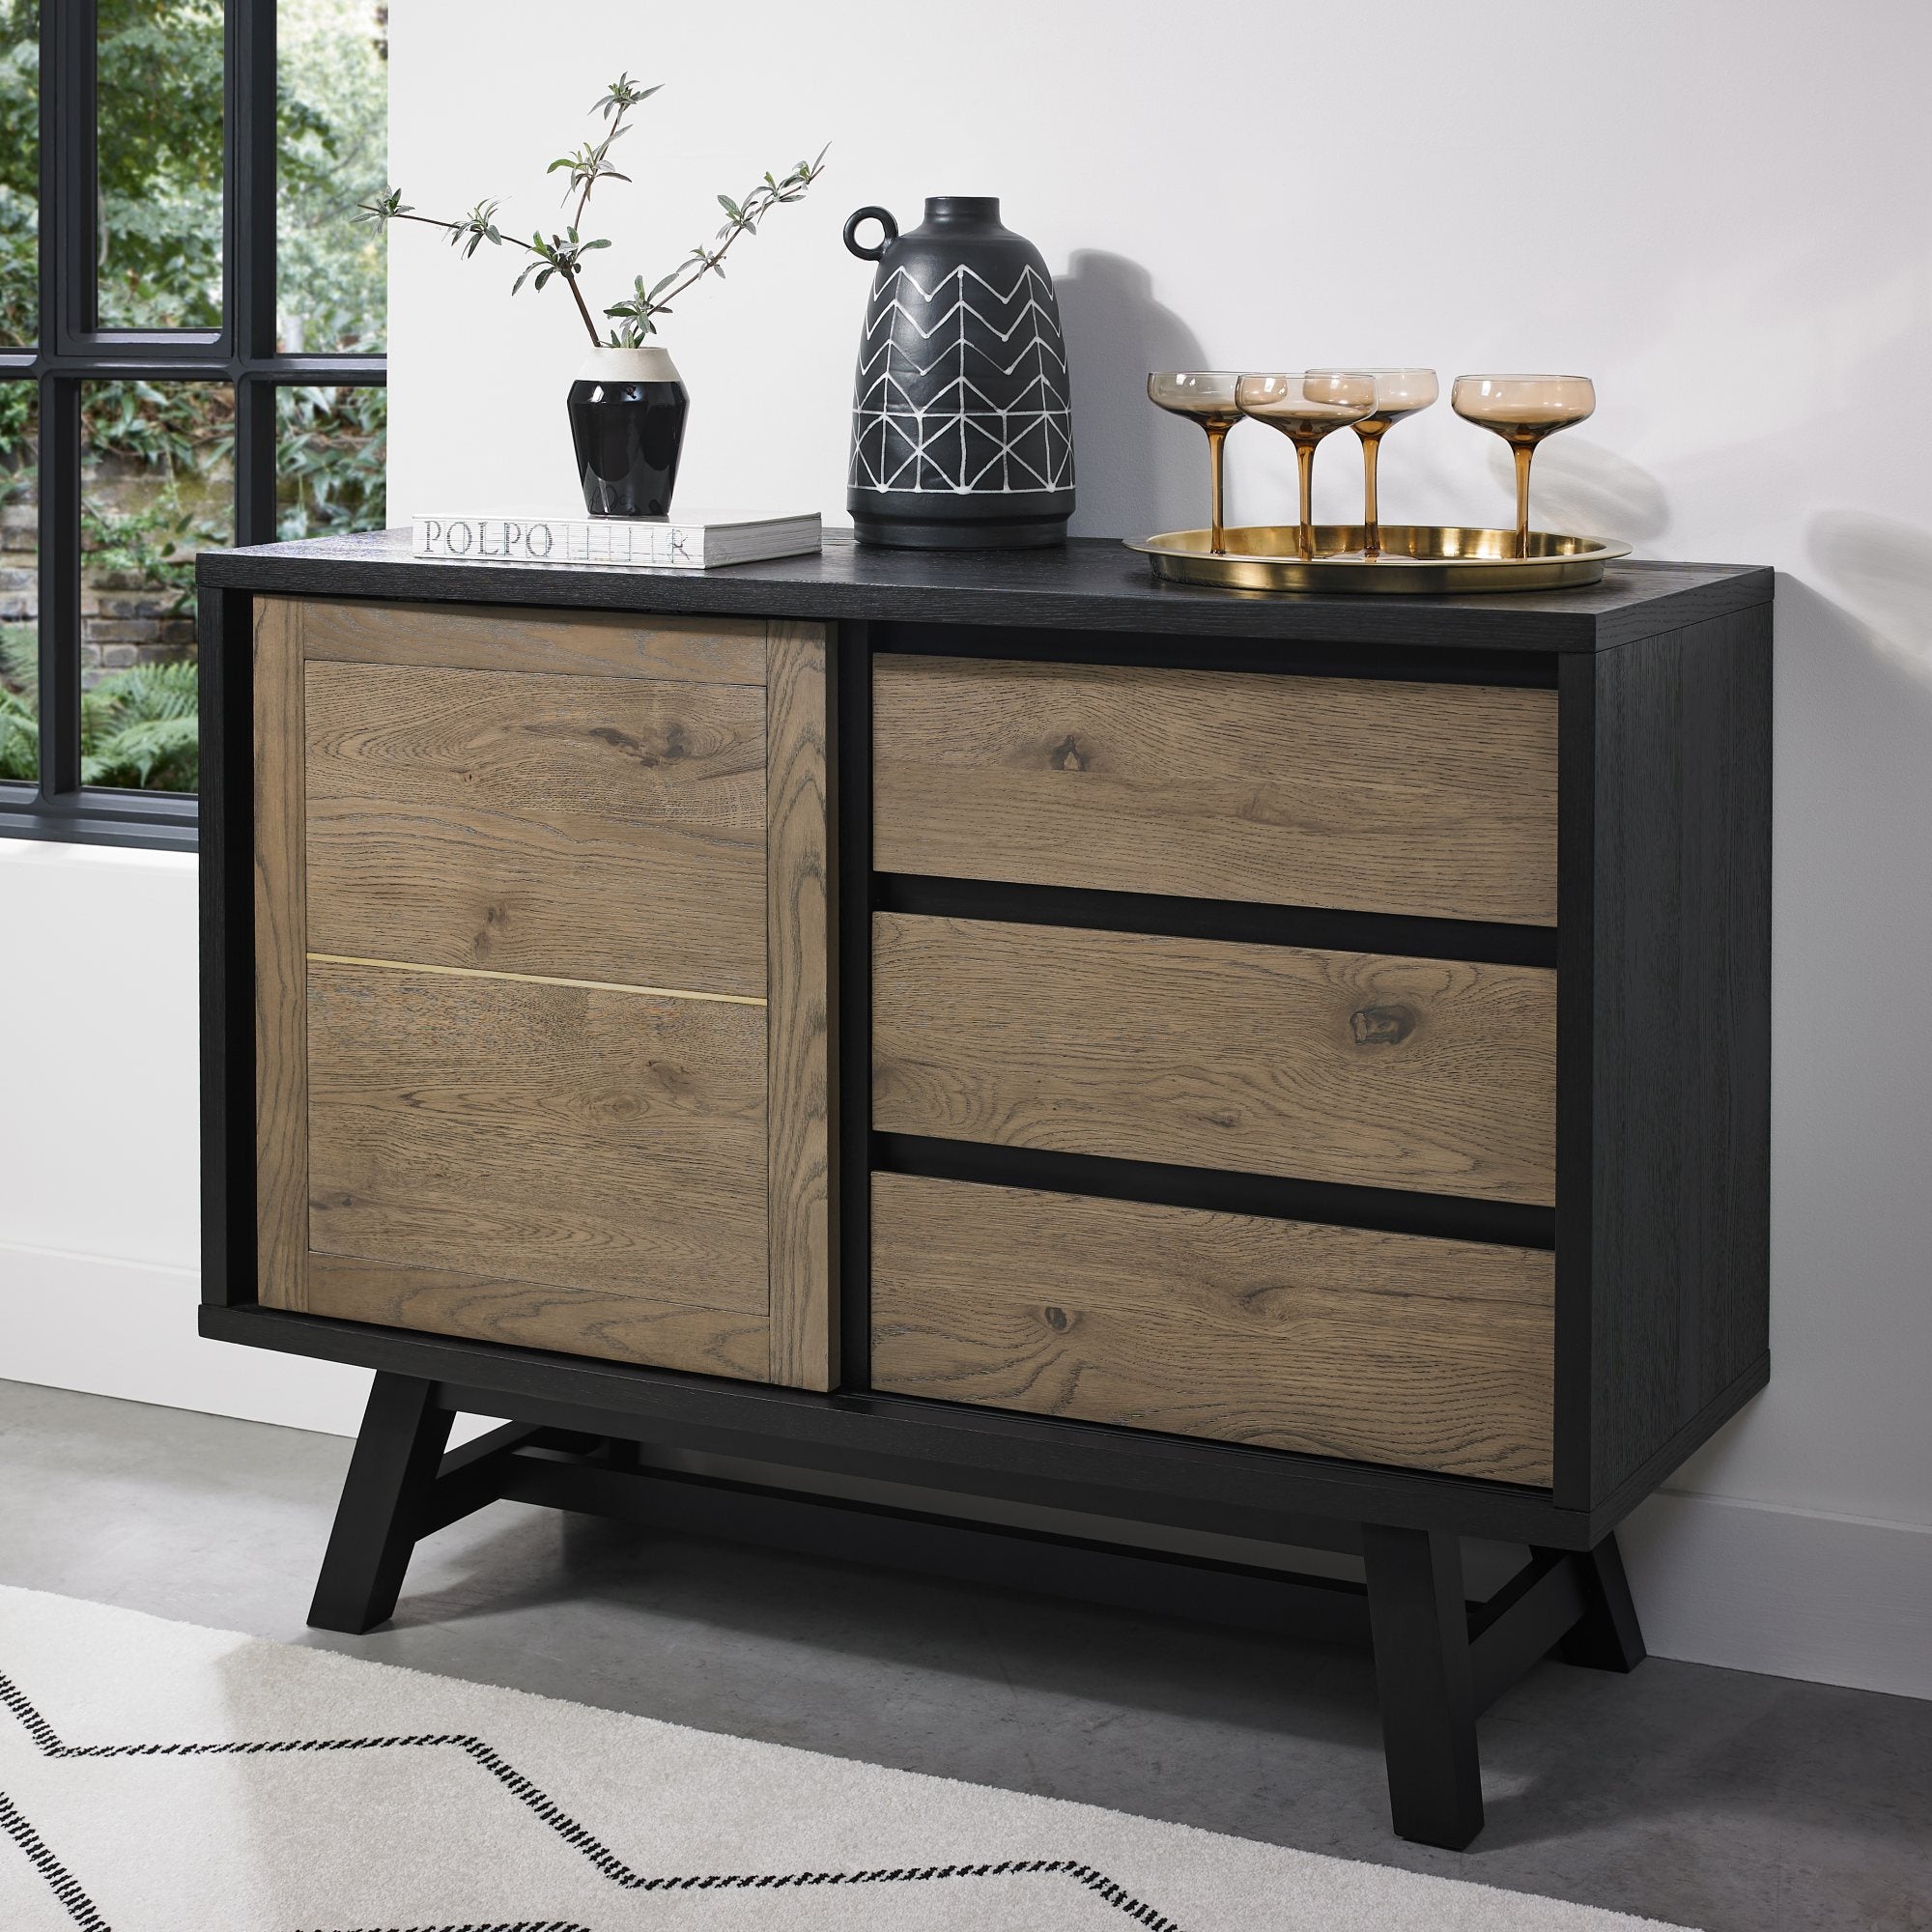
1400, 934
1217, 1190
1264, 657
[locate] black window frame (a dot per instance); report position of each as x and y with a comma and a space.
72, 350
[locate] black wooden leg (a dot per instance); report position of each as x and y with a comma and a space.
1420, 1626
1607, 1637
404, 1434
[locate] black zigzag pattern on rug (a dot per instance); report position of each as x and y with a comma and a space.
65, 1886
47, 1741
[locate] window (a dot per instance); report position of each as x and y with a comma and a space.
191, 335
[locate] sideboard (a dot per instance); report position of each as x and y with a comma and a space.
995, 1064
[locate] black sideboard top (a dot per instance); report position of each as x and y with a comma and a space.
1094, 583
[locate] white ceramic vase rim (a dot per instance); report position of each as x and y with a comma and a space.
649, 364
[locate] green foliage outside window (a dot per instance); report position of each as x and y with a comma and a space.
137, 727
157, 457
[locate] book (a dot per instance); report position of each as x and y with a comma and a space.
698, 540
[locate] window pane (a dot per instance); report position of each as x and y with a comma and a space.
20, 171
333, 119
156, 485
19, 583
330, 445
158, 96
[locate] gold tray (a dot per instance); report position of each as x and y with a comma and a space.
1416, 559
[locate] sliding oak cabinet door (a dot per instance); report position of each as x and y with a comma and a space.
541, 982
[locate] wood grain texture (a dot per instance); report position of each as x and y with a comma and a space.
587, 644
1679, 1052
804, 1323
539, 1133
1430, 800
598, 828
1429, 1074
1392, 1348
610, 1324
281, 1026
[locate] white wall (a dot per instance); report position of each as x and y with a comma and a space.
99, 1262
1718, 211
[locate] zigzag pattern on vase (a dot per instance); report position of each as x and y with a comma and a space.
951, 435
48, 1742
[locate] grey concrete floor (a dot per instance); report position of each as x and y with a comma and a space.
1701, 1796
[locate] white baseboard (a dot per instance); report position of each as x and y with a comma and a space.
127, 1328
1792, 1593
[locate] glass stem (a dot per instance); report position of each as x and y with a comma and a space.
1304, 459
1217, 435
1372, 522
1523, 452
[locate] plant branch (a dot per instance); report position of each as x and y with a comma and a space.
640, 313
563, 254
582, 309
455, 227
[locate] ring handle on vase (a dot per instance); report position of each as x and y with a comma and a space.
889, 233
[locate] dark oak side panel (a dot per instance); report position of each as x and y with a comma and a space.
281, 1021
798, 1163
1681, 1056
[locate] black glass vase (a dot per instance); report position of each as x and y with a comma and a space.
627, 412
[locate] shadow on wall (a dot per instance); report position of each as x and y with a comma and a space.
1583, 489
1136, 469
1883, 569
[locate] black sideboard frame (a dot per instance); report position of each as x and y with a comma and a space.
580, 1423
1441, 1660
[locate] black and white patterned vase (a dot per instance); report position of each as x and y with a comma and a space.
627, 414
962, 424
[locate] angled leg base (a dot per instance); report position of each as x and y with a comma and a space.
380, 1514
1607, 1635
1441, 1663
1419, 1625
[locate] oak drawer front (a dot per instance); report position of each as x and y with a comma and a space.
1434, 799
1395, 1348
598, 828
1427, 1074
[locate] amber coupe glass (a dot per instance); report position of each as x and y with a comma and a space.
1398, 393
1206, 396
1305, 408
1522, 410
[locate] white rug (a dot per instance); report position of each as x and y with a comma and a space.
157, 1777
